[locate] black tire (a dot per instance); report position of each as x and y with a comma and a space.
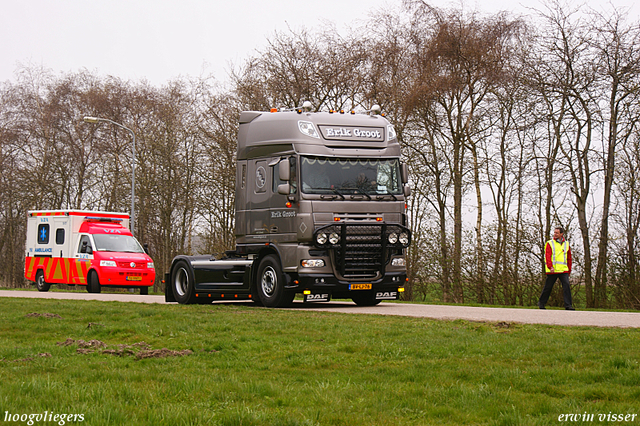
93, 283
270, 284
41, 284
365, 298
144, 291
182, 283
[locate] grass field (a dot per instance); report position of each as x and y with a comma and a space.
241, 365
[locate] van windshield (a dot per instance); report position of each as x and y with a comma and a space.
117, 243
350, 176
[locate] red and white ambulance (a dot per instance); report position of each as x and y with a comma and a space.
89, 248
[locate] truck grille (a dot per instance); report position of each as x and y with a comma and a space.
361, 254
362, 249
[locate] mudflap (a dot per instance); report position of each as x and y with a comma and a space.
168, 289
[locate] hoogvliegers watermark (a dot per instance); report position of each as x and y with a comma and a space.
60, 419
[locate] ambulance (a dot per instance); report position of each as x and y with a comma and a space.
89, 248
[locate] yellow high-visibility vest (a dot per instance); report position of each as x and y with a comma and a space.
559, 256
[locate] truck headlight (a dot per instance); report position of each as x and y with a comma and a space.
321, 238
398, 261
108, 263
334, 238
150, 265
393, 238
404, 239
312, 263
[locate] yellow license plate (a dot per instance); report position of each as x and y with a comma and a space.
360, 287
134, 278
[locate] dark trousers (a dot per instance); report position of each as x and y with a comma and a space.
548, 286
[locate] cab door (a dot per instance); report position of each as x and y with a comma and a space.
258, 194
283, 213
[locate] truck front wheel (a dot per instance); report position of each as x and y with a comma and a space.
41, 284
182, 284
270, 285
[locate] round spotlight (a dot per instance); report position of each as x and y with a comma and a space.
393, 238
404, 239
321, 238
334, 238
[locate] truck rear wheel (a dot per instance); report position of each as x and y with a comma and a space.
365, 298
41, 284
270, 284
182, 283
93, 282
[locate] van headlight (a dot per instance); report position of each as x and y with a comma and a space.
150, 265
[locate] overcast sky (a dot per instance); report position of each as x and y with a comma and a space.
161, 39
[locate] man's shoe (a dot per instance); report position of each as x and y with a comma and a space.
570, 308
541, 306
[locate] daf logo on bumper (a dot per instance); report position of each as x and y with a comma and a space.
387, 295
320, 297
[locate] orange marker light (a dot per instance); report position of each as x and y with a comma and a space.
274, 109
378, 219
336, 219
288, 204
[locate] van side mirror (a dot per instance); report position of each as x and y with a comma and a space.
284, 172
145, 247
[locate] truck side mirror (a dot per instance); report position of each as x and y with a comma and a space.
404, 172
407, 190
284, 172
284, 188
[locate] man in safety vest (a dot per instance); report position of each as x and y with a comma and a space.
558, 265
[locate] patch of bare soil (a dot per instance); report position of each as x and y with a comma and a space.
140, 350
45, 315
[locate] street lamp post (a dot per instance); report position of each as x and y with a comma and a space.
133, 165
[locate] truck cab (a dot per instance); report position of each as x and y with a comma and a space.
320, 211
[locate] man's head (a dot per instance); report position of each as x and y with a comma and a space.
558, 232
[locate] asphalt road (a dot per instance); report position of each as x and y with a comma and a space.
440, 312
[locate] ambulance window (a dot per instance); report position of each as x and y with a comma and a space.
83, 239
60, 236
43, 233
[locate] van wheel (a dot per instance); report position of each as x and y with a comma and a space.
41, 284
182, 283
93, 282
270, 285
144, 291
365, 298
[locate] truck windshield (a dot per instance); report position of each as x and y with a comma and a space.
350, 176
118, 243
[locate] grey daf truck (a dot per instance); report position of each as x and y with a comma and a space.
320, 212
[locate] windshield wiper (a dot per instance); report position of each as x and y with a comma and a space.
355, 190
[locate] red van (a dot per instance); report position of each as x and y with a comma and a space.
90, 248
